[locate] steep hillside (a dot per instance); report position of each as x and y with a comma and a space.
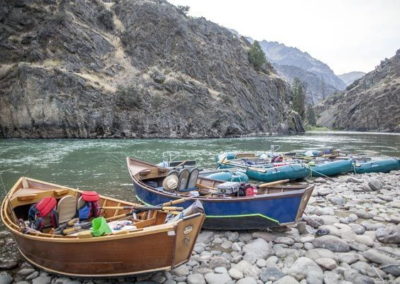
292, 62
370, 103
130, 69
349, 78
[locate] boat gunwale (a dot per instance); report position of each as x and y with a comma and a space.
267, 196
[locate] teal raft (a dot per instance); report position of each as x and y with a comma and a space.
380, 166
331, 168
228, 176
291, 172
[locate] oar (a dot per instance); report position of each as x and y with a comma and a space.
274, 183
143, 208
181, 164
173, 202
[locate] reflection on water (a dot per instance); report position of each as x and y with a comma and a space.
100, 164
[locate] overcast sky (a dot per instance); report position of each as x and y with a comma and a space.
348, 35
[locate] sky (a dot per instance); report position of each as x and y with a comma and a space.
348, 35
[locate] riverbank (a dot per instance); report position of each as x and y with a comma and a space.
349, 234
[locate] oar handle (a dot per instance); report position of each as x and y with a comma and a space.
173, 202
274, 183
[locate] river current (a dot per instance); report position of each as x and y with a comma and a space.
100, 164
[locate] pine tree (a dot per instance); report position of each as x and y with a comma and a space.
299, 97
256, 56
311, 115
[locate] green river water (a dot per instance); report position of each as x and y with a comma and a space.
100, 164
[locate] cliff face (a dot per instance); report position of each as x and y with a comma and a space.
294, 63
130, 69
370, 103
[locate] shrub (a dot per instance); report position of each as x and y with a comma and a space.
129, 97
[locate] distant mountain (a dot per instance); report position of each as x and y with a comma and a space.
349, 78
291, 62
370, 103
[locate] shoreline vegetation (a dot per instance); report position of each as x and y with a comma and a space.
350, 234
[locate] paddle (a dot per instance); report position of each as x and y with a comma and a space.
274, 183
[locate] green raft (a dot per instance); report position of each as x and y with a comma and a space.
291, 172
380, 166
331, 168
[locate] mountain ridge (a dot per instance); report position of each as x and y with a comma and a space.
292, 63
370, 103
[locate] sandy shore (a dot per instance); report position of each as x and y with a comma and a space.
349, 234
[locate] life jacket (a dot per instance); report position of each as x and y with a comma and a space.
39, 212
91, 207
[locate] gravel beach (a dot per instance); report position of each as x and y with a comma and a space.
350, 233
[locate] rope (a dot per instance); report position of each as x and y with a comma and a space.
311, 171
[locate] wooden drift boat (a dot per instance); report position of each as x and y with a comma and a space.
270, 207
153, 245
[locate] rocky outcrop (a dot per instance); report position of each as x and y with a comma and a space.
294, 63
350, 77
370, 103
130, 69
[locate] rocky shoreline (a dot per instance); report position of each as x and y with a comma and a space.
350, 233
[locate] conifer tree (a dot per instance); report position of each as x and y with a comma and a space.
311, 115
299, 97
256, 56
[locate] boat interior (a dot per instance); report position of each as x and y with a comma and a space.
153, 176
27, 192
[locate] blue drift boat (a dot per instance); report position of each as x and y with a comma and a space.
267, 206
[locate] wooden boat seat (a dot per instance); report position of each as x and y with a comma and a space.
66, 208
32, 195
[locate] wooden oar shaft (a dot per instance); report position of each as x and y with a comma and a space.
173, 202
181, 163
274, 183
166, 208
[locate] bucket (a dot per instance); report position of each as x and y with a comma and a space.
100, 227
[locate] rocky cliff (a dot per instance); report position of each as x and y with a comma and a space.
291, 62
370, 103
350, 77
130, 69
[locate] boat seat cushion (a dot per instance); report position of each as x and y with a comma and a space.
183, 179
66, 208
194, 174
